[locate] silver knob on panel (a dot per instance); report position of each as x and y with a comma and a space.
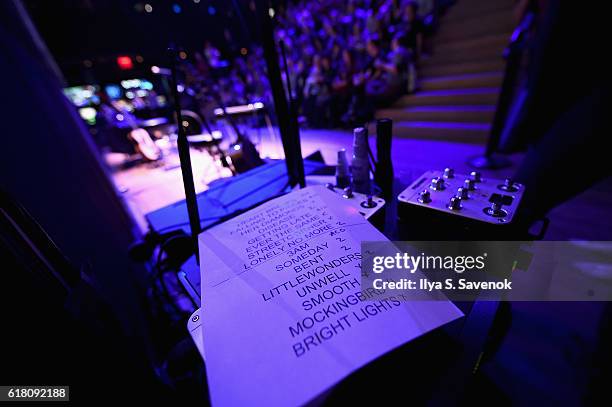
449, 173
437, 184
369, 202
425, 197
476, 176
495, 210
508, 186
454, 204
348, 192
468, 184
462, 193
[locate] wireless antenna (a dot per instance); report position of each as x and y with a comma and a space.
287, 120
185, 158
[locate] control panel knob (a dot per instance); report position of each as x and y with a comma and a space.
437, 184
476, 176
508, 185
449, 173
369, 202
348, 192
462, 193
425, 197
469, 184
495, 210
454, 204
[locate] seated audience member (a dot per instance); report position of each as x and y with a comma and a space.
342, 86
382, 81
356, 40
316, 93
402, 63
414, 29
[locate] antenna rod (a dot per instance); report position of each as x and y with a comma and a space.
185, 159
287, 122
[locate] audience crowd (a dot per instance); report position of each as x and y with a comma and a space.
344, 59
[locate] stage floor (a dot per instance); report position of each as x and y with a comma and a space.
147, 187
150, 186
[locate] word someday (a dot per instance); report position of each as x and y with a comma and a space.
405, 261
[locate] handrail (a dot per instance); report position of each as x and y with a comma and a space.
513, 53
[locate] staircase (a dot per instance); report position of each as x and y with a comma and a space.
459, 84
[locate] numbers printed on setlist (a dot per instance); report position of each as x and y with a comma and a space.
34, 393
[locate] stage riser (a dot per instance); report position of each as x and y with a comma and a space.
452, 131
465, 114
488, 79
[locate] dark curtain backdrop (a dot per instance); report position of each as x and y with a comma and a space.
50, 166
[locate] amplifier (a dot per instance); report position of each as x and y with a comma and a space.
443, 205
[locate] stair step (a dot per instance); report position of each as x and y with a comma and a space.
486, 47
460, 82
478, 25
485, 65
453, 57
447, 131
473, 32
443, 113
461, 10
469, 96
478, 4
490, 18
470, 80
487, 42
